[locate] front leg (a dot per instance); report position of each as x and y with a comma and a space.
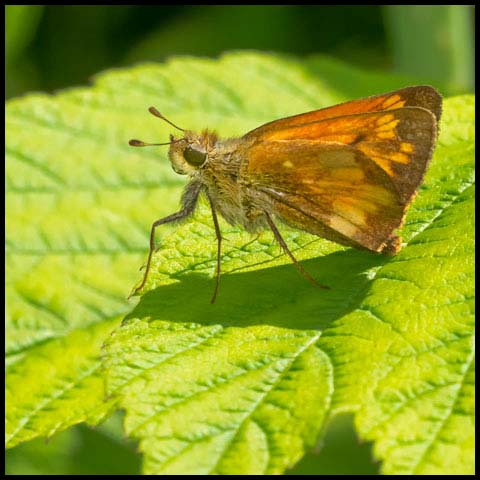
189, 202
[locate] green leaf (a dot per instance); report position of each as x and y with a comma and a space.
245, 385
57, 384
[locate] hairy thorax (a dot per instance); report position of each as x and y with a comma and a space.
227, 188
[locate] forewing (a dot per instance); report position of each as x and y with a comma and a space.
331, 190
399, 141
420, 96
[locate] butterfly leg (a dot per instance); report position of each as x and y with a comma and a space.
189, 202
285, 248
219, 245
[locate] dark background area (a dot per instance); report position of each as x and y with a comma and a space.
54, 47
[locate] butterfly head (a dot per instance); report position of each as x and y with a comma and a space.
187, 154
190, 152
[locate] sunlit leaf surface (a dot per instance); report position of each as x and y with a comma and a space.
245, 385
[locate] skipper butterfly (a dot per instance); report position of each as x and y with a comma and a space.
346, 173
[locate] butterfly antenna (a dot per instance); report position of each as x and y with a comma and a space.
139, 143
155, 112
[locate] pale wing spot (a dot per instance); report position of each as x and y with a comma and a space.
406, 147
387, 126
287, 164
386, 135
343, 226
385, 119
345, 173
349, 212
395, 101
381, 161
366, 206
378, 194
399, 157
337, 159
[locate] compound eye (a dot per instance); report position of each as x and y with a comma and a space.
194, 157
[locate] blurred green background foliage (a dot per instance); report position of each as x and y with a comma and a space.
55, 47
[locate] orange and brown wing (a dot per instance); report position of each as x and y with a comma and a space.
331, 190
348, 172
422, 96
399, 141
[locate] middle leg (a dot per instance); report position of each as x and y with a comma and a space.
219, 248
285, 248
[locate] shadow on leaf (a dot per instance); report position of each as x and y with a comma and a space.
276, 296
